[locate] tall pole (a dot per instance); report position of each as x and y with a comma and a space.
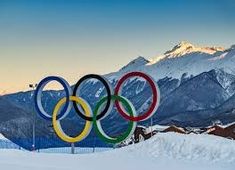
34, 121
151, 126
34, 141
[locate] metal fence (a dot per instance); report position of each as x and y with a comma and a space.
7, 144
77, 150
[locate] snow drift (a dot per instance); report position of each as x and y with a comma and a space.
163, 151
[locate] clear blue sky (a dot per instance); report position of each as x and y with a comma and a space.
73, 38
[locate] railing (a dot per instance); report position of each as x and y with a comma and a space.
6, 144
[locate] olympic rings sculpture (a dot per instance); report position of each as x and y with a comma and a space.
101, 109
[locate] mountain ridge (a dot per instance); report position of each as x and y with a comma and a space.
192, 62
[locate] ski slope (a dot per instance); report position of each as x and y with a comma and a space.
164, 151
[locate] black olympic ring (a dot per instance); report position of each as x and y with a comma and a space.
108, 88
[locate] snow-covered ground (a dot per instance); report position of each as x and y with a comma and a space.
164, 151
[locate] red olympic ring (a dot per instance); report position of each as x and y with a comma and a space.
155, 99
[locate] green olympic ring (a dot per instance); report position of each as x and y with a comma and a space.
131, 126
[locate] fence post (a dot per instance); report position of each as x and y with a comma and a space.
72, 148
94, 143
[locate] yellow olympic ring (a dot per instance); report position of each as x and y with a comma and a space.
56, 123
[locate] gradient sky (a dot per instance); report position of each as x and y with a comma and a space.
73, 38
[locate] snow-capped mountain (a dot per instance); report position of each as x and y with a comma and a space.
187, 58
197, 86
185, 47
138, 62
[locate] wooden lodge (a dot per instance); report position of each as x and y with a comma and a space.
142, 133
174, 129
227, 132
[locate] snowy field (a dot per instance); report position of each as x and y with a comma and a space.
164, 151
